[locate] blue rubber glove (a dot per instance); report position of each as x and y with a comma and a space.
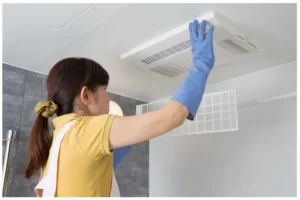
191, 91
119, 154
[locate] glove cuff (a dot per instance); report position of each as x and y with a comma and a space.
191, 91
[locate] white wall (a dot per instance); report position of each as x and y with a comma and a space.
257, 160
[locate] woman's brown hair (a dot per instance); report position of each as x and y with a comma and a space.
64, 83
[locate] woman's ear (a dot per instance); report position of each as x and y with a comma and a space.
84, 95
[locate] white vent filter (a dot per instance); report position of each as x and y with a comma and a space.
217, 113
170, 54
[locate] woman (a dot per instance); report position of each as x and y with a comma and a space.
77, 95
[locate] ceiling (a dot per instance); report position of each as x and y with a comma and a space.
36, 36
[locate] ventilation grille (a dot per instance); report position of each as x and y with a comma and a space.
168, 65
173, 50
217, 113
228, 45
167, 70
233, 48
175, 66
178, 65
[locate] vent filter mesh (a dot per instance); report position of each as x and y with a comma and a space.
217, 113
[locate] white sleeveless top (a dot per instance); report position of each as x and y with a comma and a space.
47, 185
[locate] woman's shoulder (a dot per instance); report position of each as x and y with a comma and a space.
94, 123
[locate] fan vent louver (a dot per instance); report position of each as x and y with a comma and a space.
171, 51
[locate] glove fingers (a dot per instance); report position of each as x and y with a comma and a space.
191, 33
195, 29
210, 33
201, 31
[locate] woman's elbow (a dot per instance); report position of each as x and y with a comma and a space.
177, 113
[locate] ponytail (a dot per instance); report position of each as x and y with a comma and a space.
40, 138
39, 146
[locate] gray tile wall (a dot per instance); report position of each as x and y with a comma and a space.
22, 89
133, 172
13, 95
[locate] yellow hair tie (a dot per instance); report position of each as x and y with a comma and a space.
46, 108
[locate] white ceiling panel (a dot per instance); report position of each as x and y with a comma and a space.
35, 31
105, 31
